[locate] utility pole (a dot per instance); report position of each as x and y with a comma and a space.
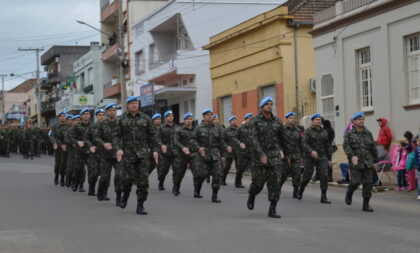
3, 102
38, 84
122, 55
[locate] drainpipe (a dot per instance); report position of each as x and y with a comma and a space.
295, 48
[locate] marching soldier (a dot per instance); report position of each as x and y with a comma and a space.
157, 122
56, 137
70, 149
182, 150
230, 137
28, 142
244, 156
293, 141
317, 149
360, 149
207, 140
267, 134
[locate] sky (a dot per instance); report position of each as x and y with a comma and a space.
41, 23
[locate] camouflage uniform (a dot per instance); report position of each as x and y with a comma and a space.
244, 155
94, 159
37, 139
166, 134
182, 139
230, 137
19, 139
79, 133
209, 137
362, 145
57, 137
152, 162
13, 140
28, 143
5, 141
71, 147
134, 136
294, 148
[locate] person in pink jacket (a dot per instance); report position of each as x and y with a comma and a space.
400, 167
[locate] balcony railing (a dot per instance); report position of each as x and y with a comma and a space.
340, 8
324, 15
48, 106
354, 4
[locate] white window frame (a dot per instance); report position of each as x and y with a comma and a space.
140, 62
365, 67
330, 117
413, 80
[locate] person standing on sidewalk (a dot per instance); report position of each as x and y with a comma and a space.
384, 135
360, 149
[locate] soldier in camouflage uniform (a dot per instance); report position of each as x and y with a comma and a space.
37, 138
317, 149
13, 140
208, 141
267, 134
57, 140
94, 157
360, 149
79, 138
70, 150
294, 148
19, 139
106, 130
166, 134
157, 122
182, 150
230, 137
244, 154
135, 136
5, 133
28, 142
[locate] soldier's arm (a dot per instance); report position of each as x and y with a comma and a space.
307, 146
281, 138
347, 148
117, 138
194, 140
52, 136
154, 142
97, 136
255, 145
301, 145
74, 134
177, 141
88, 138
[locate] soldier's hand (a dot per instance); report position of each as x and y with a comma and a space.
80, 144
354, 160
92, 149
64, 148
242, 146
156, 157
281, 155
314, 155
55, 146
107, 146
263, 159
229, 149
120, 154
186, 150
202, 151
164, 149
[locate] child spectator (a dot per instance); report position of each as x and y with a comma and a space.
400, 166
411, 172
417, 157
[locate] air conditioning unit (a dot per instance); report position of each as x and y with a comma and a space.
312, 85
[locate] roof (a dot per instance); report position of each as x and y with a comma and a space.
303, 10
24, 87
54, 51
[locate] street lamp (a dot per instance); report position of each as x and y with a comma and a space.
91, 26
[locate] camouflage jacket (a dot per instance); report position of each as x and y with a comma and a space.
57, 136
79, 133
267, 138
67, 138
362, 145
37, 133
230, 137
166, 134
135, 135
105, 133
209, 137
244, 136
317, 140
183, 137
293, 142
28, 134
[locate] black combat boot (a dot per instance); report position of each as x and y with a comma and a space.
91, 191
197, 191
118, 199
124, 199
214, 197
81, 189
140, 207
105, 195
75, 186
349, 197
272, 213
223, 180
366, 206
251, 201
62, 181
161, 188
100, 193
56, 179
238, 182
67, 182
295, 192
324, 199
208, 179
300, 193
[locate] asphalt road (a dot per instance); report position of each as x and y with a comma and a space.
36, 216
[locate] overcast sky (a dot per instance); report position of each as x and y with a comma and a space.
41, 23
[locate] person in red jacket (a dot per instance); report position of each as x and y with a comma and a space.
384, 135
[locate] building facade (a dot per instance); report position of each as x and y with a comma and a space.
368, 59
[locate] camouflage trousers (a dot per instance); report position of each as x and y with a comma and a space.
59, 165
70, 164
228, 165
165, 162
79, 168
271, 175
322, 167
152, 164
135, 170
37, 147
4, 147
181, 163
203, 168
294, 170
93, 167
361, 176
28, 148
242, 164
106, 166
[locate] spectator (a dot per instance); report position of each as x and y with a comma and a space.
384, 135
411, 173
401, 167
417, 158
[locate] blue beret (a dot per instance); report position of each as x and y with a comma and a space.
248, 115
131, 99
76, 116
61, 113
358, 115
208, 110
188, 114
290, 114
316, 115
83, 111
69, 116
265, 101
109, 106
99, 111
156, 116
167, 113
232, 118
215, 116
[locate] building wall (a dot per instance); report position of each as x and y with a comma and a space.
384, 34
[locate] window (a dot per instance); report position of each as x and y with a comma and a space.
365, 78
327, 98
227, 109
413, 68
82, 81
152, 53
89, 77
139, 62
244, 99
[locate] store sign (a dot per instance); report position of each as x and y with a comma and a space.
147, 95
82, 101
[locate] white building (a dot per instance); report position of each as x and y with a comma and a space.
368, 59
167, 50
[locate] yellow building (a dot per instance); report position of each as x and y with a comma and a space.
269, 55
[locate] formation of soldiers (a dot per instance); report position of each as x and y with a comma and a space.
135, 144
29, 141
